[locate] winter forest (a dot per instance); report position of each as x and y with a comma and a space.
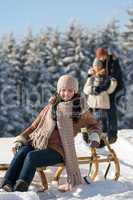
29, 69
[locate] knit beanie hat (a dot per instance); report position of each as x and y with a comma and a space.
101, 52
67, 81
97, 63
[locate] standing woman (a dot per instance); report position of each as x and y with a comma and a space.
99, 101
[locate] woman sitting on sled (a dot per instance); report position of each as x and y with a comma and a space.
50, 138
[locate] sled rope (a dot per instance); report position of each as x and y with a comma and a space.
90, 165
107, 170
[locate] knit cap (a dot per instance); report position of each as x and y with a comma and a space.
97, 63
68, 82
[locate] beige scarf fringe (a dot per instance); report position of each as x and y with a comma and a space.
44, 130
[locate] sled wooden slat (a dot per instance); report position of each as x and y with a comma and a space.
3, 166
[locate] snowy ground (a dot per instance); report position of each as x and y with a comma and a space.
98, 190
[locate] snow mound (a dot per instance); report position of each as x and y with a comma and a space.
19, 196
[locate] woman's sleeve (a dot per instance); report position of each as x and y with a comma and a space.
112, 86
25, 134
87, 87
90, 123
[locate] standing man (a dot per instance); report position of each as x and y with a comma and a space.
113, 69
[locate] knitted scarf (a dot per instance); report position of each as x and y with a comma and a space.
64, 116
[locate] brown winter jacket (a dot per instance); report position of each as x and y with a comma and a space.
86, 120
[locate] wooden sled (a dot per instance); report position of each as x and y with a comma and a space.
94, 160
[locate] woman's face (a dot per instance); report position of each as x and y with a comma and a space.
97, 68
66, 94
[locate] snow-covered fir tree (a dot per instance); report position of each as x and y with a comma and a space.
10, 76
127, 45
108, 36
78, 51
128, 34
35, 78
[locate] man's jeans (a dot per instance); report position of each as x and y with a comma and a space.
113, 128
25, 162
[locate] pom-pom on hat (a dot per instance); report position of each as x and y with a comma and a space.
67, 81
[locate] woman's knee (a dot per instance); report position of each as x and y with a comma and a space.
22, 151
31, 158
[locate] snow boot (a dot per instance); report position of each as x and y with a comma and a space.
21, 186
6, 186
112, 139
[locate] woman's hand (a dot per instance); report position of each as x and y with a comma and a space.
52, 100
16, 146
91, 71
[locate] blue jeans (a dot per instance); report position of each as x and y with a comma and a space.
112, 117
25, 162
101, 116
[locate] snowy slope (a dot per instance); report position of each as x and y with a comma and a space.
98, 190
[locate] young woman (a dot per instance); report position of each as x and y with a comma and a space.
111, 64
50, 138
99, 101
